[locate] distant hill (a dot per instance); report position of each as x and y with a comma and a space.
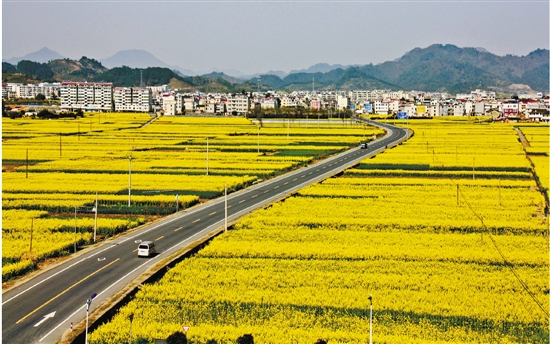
224, 76
319, 67
133, 58
152, 76
83, 69
453, 69
43, 55
436, 68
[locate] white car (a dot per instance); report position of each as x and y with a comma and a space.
146, 249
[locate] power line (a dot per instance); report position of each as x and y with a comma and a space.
506, 262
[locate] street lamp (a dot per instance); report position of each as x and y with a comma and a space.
370, 338
88, 303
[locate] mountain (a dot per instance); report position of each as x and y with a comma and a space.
453, 69
83, 69
133, 58
136, 58
43, 55
437, 68
319, 67
224, 76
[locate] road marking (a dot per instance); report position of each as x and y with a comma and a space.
241, 201
295, 179
212, 213
46, 317
254, 196
160, 237
286, 183
266, 191
324, 167
66, 290
330, 165
177, 229
277, 187
197, 220
310, 172
135, 250
303, 176
318, 170
228, 206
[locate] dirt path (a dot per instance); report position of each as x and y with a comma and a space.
522, 138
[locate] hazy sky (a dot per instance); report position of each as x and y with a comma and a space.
258, 36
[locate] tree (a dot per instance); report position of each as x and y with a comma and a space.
245, 339
321, 341
45, 114
177, 337
40, 96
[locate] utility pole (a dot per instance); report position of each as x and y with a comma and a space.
499, 204
32, 225
75, 229
288, 129
130, 180
225, 188
207, 155
370, 337
27, 168
474, 169
95, 217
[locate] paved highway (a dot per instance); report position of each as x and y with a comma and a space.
43, 308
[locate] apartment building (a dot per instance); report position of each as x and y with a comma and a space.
169, 104
133, 99
30, 91
239, 103
342, 102
87, 96
381, 108
359, 96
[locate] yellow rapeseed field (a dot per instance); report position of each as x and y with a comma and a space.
55, 166
447, 258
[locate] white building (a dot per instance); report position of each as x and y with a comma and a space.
288, 102
359, 96
239, 104
132, 99
169, 104
87, 96
381, 108
342, 102
30, 91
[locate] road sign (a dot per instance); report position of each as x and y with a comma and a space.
185, 328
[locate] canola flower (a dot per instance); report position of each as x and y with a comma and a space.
307, 265
58, 165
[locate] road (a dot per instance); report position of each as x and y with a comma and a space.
44, 307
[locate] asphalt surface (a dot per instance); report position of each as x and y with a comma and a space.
44, 307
